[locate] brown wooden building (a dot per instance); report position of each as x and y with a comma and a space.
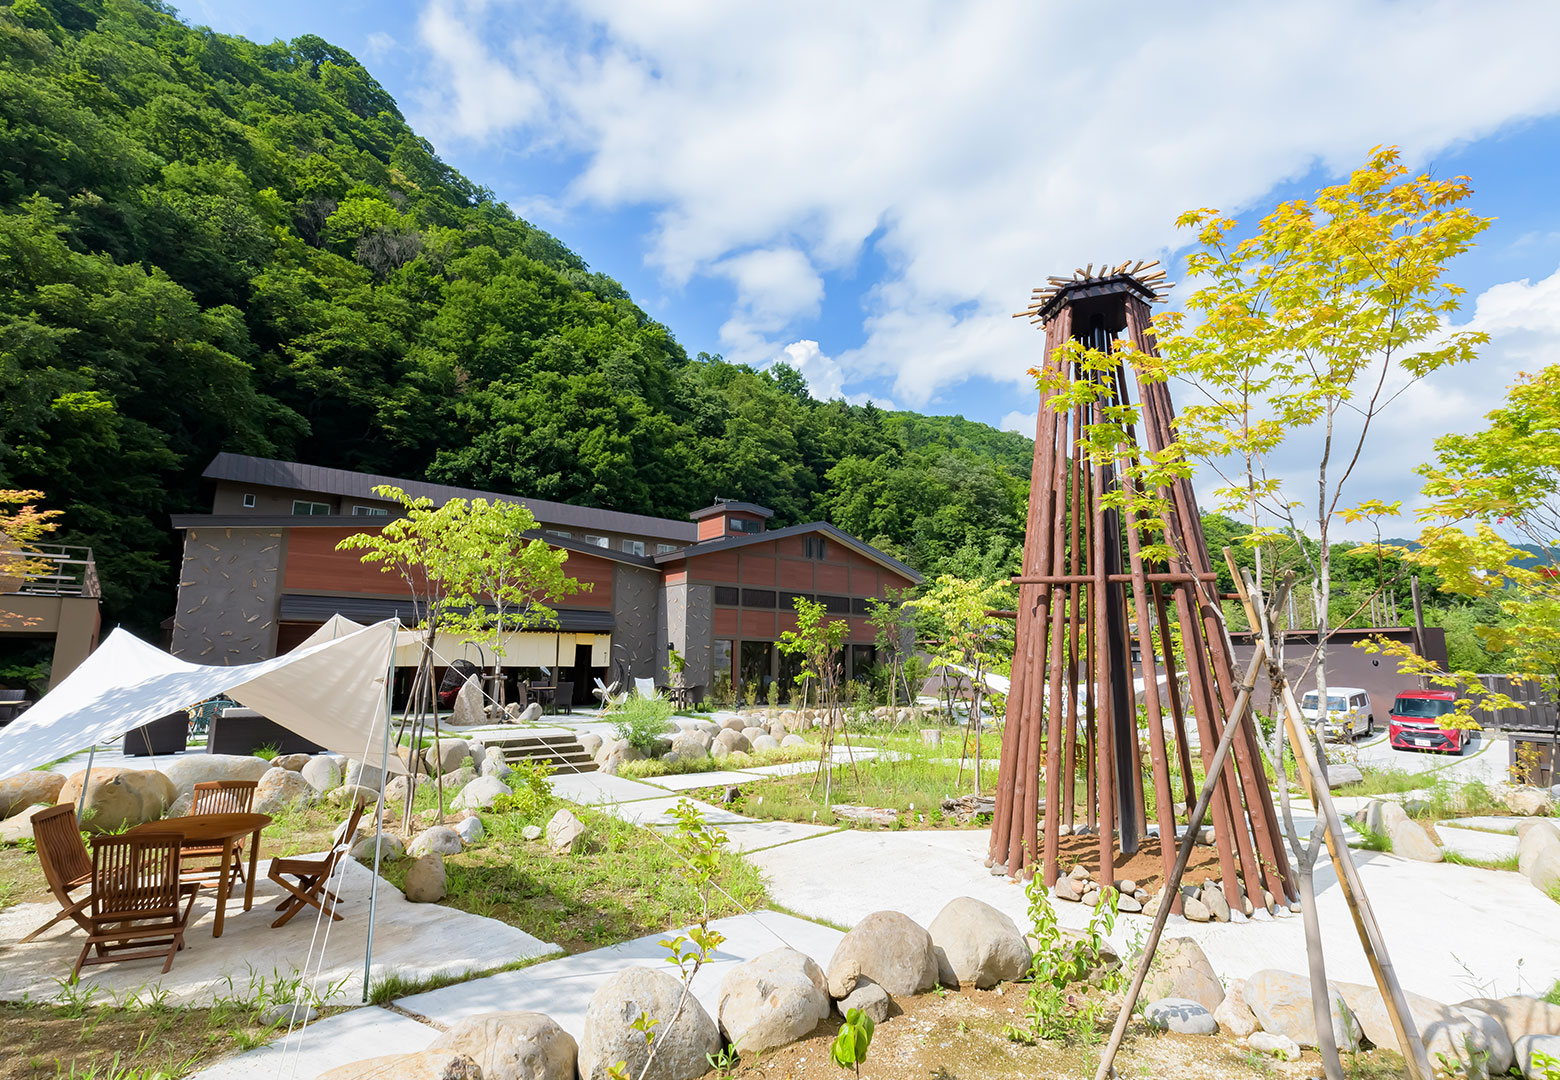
261, 572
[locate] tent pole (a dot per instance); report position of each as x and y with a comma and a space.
379, 814
86, 779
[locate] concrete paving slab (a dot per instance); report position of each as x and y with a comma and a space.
658, 812
1491, 823
687, 781
847, 875
599, 789
562, 988
325, 1044
757, 835
411, 940
1475, 844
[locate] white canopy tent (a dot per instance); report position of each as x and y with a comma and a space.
330, 690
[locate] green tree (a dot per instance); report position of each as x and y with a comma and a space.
817, 643
968, 643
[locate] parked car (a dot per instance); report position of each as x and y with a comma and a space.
1416, 724
1348, 712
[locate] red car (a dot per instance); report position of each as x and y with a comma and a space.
1414, 723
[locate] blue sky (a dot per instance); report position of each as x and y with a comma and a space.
870, 189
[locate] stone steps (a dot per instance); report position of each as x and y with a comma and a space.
561, 750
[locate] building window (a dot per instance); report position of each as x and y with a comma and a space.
792, 598
598, 541
662, 549
728, 595
634, 547
758, 598
303, 507
249, 500
743, 525
559, 533
813, 547
835, 605
858, 605
370, 511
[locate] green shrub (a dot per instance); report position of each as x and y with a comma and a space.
531, 781
642, 721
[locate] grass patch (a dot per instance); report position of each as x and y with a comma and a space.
648, 767
391, 987
1371, 839
1383, 782
1459, 859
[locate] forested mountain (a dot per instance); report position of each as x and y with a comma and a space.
210, 244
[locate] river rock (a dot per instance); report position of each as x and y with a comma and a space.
886, 948
187, 770
608, 1038
435, 840
765, 742
513, 1045
1181, 970
1339, 776
591, 742
870, 998
754, 732
1281, 1002
35, 788
480, 793
792, 741
1527, 1046
691, 744
469, 829
772, 1000
1212, 898
280, 789
353, 794
1446, 1029
1180, 1015
322, 773
976, 945
425, 880
18, 827
733, 741
1194, 910
1281, 1046
1233, 1014
423, 1065
1411, 841
290, 762
565, 833
369, 776
1519, 1015
1530, 802
117, 798
390, 847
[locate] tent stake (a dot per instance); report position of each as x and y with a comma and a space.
379, 814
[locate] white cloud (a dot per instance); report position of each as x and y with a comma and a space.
380, 44
969, 142
825, 378
774, 286
1021, 422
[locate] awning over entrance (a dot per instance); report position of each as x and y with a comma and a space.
314, 607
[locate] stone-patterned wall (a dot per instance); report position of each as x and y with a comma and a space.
637, 623
699, 634
226, 611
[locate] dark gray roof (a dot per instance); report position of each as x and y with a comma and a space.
726, 543
338, 521
241, 468
723, 507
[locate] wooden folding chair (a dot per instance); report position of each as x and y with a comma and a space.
66, 864
134, 911
313, 874
218, 797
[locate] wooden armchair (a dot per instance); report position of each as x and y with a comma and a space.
134, 912
66, 864
312, 875
217, 797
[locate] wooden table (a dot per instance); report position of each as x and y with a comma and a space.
224, 829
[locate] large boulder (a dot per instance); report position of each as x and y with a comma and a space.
423, 1065
446, 755
870, 998
290, 762
1340, 776
425, 880
1281, 1002
389, 845
480, 793
1530, 802
435, 840
353, 795
187, 770
730, 742
1535, 839
1526, 1048
1412, 841
886, 948
764, 742
1519, 1015
281, 789
691, 744
609, 1037
469, 829
772, 1000
590, 742
976, 945
322, 773
18, 827
470, 710
513, 1045
733, 723
119, 798
1181, 970
1461, 1032
29, 789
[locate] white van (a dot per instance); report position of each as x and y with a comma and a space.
1348, 712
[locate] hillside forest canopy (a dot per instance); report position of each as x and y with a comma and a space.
211, 244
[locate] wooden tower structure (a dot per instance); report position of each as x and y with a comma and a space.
1089, 607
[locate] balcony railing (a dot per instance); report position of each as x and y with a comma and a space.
53, 570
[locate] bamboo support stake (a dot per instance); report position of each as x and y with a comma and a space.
1315, 783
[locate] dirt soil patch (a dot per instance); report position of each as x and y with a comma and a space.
958, 1036
1144, 867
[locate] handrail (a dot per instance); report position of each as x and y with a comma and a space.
70, 570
